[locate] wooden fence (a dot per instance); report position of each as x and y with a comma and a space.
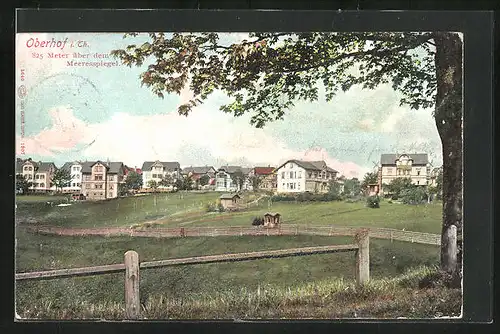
284, 229
132, 266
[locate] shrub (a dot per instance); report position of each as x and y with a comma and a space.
211, 207
373, 202
220, 207
415, 195
257, 221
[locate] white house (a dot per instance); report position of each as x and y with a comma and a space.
157, 170
38, 173
414, 166
224, 178
295, 176
75, 169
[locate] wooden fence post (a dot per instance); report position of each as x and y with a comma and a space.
132, 301
363, 257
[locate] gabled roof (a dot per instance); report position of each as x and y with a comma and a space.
230, 169
45, 166
229, 196
198, 170
263, 170
20, 162
245, 170
67, 165
418, 158
111, 167
311, 165
170, 165
274, 214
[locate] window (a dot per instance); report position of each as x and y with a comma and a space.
98, 186
30, 176
26, 168
98, 168
98, 177
37, 176
111, 177
418, 172
42, 176
283, 186
291, 175
300, 174
298, 186
290, 166
30, 168
87, 185
282, 175
51, 185
42, 185
418, 182
111, 187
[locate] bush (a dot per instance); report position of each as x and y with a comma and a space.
373, 202
257, 221
220, 207
211, 207
415, 195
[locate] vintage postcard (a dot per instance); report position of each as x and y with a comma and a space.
253, 175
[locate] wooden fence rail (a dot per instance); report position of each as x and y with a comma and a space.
132, 266
284, 229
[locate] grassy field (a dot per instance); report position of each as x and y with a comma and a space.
188, 209
38, 252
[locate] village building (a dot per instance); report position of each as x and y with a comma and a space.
158, 170
102, 179
272, 219
414, 166
267, 178
75, 170
226, 178
295, 176
196, 173
230, 201
38, 173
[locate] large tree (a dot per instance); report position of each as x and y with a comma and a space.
268, 73
22, 183
61, 178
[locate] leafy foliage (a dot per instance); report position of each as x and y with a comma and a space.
257, 221
204, 180
373, 202
268, 73
397, 185
61, 178
153, 185
369, 178
133, 180
352, 188
22, 184
238, 179
413, 195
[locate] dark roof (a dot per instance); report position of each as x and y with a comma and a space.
45, 166
245, 170
263, 170
311, 165
170, 165
418, 158
20, 162
231, 169
274, 214
112, 167
197, 170
229, 196
67, 165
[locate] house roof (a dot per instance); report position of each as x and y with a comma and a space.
311, 165
274, 214
170, 165
45, 166
229, 196
198, 170
231, 169
67, 165
263, 170
418, 158
112, 167
20, 162
245, 170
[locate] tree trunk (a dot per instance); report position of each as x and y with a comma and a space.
448, 117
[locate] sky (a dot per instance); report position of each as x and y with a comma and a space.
102, 113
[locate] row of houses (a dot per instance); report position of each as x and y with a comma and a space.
101, 179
